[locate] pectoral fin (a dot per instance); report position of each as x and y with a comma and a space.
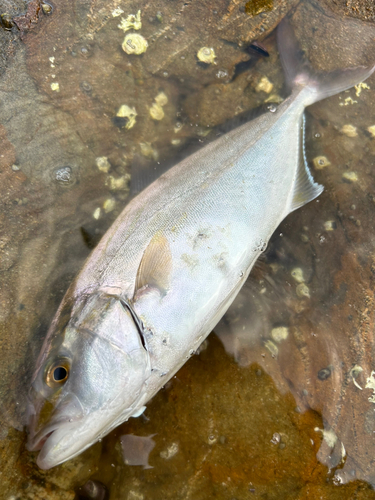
305, 188
156, 265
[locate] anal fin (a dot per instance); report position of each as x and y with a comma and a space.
305, 188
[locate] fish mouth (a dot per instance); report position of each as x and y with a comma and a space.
54, 443
66, 417
36, 443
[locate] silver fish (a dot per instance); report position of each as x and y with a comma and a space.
168, 269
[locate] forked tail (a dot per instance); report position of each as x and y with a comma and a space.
298, 70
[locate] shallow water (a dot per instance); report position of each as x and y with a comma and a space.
230, 424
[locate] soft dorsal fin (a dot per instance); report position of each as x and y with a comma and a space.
305, 188
156, 265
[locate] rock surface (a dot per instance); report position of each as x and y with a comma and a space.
67, 146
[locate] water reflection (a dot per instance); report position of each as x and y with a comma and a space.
307, 314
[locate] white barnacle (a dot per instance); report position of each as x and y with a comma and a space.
149, 151
126, 111
134, 44
329, 225
303, 291
264, 85
156, 111
133, 21
161, 99
279, 333
321, 162
206, 55
119, 183
109, 205
370, 384
350, 176
371, 129
117, 12
349, 130
297, 275
55, 86
103, 164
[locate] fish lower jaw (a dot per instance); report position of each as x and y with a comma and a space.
38, 445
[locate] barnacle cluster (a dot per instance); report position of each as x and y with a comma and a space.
156, 110
133, 43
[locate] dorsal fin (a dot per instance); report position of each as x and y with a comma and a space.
156, 265
305, 188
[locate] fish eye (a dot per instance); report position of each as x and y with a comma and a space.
58, 373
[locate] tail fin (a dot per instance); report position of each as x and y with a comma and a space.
298, 70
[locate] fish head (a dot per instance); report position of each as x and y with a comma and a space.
90, 377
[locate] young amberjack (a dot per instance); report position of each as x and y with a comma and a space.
170, 266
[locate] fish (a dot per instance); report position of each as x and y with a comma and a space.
170, 266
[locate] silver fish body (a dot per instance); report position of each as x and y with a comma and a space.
166, 272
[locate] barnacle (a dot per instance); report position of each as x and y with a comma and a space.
148, 151
119, 183
297, 275
103, 164
161, 99
350, 176
264, 85
349, 130
321, 162
156, 111
131, 22
280, 333
302, 291
129, 114
117, 12
329, 225
206, 55
109, 205
134, 44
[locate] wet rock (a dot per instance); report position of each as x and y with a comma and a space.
30, 19
362, 9
61, 89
